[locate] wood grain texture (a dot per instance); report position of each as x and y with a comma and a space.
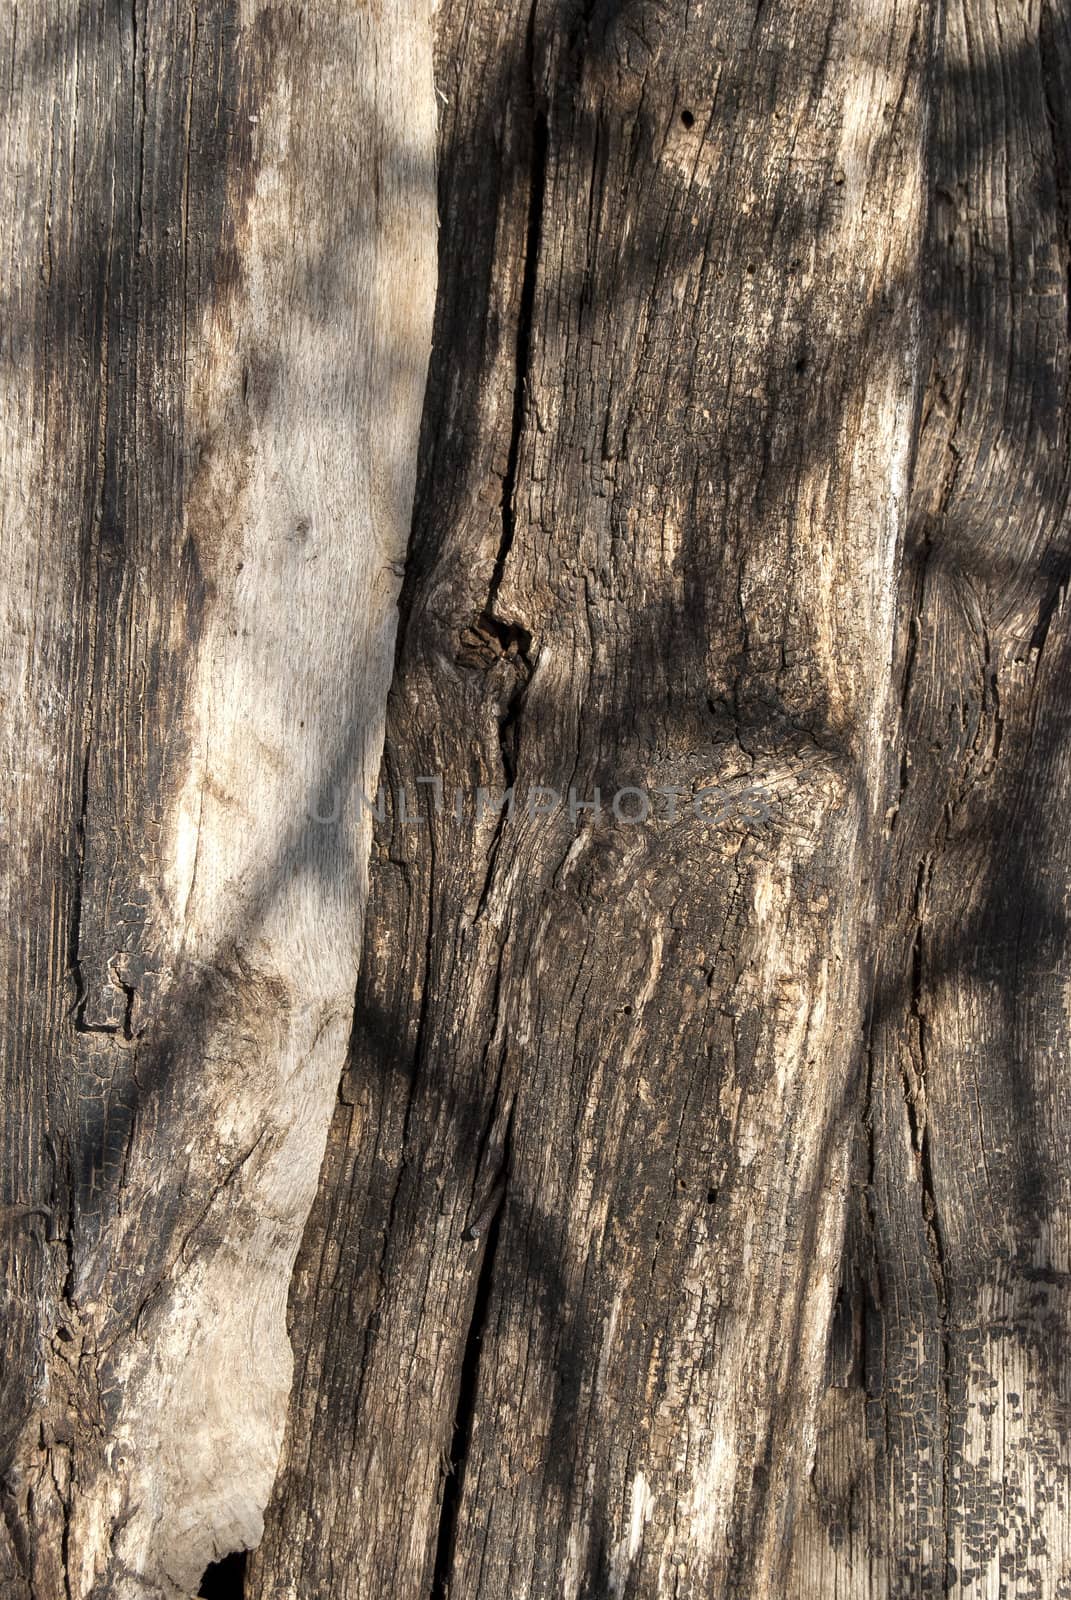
661, 510
218, 284
943, 1463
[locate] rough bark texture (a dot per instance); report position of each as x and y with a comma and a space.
218, 282
657, 544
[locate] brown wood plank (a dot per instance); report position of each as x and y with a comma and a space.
662, 506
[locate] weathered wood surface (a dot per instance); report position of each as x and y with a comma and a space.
218, 282
943, 1463
662, 507
694, 1219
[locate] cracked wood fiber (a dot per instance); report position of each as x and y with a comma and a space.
660, 518
943, 1464
218, 270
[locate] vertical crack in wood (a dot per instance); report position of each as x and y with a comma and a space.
511, 638
465, 1409
537, 181
915, 1100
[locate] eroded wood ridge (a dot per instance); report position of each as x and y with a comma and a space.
218, 284
661, 511
942, 1466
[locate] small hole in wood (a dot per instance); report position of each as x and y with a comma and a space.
712, 1195
224, 1580
688, 119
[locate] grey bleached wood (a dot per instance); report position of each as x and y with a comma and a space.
662, 506
218, 281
